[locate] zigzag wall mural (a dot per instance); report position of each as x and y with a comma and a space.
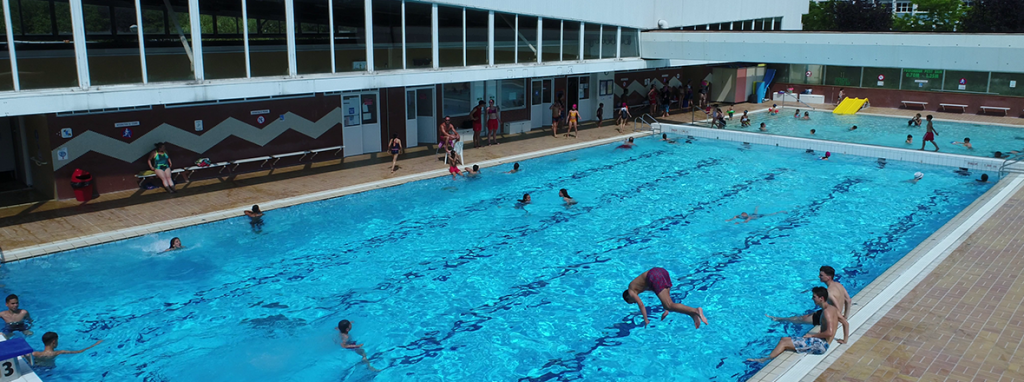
140, 147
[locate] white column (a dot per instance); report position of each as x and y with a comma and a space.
78, 33
10, 44
245, 39
464, 62
289, 22
600, 41
582, 29
433, 36
773, 23
561, 40
618, 42
368, 15
197, 38
330, 24
490, 37
515, 37
142, 42
540, 38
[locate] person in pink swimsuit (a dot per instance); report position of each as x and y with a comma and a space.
658, 281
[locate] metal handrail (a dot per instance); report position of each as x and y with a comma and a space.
1010, 161
642, 120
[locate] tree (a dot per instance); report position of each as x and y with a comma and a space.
820, 17
995, 16
936, 16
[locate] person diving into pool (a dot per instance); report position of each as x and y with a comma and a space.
752, 216
658, 281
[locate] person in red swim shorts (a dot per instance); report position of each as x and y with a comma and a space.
930, 135
658, 281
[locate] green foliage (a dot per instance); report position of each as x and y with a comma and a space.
820, 17
861, 16
939, 16
995, 16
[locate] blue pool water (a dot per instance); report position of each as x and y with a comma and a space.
446, 280
888, 131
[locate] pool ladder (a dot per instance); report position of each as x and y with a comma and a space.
646, 120
1012, 165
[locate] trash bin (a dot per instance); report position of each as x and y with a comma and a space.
81, 183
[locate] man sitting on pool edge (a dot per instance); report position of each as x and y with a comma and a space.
658, 281
814, 343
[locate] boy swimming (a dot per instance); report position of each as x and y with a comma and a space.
15, 319
49, 354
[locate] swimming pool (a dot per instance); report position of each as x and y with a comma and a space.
446, 280
888, 131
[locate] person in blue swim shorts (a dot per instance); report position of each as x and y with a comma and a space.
658, 281
814, 343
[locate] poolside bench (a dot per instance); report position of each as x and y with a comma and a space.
265, 159
336, 149
193, 169
943, 106
923, 105
278, 157
986, 109
141, 178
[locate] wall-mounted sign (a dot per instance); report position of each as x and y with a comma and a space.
881, 77
258, 112
126, 124
65, 132
62, 153
198, 124
962, 85
260, 119
808, 74
127, 133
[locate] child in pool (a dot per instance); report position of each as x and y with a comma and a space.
49, 354
966, 143
347, 342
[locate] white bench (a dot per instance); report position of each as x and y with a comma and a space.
986, 109
943, 106
336, 149
142, 178
265, 159
193, 169
923, 105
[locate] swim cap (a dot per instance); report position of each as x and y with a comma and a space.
918, 175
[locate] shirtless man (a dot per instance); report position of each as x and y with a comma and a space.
448, 134
837, 294
652, 97
930, 134
814, 343
753, 216
658, 281
15, 319
556, 116
47, 357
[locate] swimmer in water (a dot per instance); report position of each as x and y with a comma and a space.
853, 128
763, 127
773, 110
255, 217
807, 115
828, 154
917, 177
664, 138
658, 281
472, 172
753, 216
910, 139
966, 143
15, 318
916, 121
347, 342
48, 356
744, 119
566, 198
813, 131
983, 180
515, 169
627, 145
797, 114
523, 202
175, 245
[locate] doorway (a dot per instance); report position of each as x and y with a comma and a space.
13, 170
542, 93
419, 116
361, 129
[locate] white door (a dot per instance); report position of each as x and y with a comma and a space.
585, 102
371, 125
352, 131
540, 112
411, 127
425, 112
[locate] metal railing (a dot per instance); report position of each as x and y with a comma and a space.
1012, 165
646, 119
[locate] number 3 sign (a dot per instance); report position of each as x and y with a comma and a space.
9, 363
9, 370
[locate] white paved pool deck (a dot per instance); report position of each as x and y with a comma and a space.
958, 291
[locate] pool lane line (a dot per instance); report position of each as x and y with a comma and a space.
224, 214
805, 365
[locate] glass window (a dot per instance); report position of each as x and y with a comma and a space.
552, 37
584, 88
418, 41
504, 38
881, 78
630, 42
6, 79
449, 36
591, 41
513, 94
608, 39
805, 74
387, 34
166, 59
268, 48
921, 79
778, 24
476, 37
313, 37
118, 62
571, 41
223, 49
535, 86
965, 81
350, 36
527, 39
457, 97
903, 7
49, 64
842, 75
1011, 84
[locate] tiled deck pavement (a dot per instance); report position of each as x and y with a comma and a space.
963, 322
53, 221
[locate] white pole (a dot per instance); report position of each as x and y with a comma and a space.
142, 42
490, 37
10, 45
433, 36
197, 38
289, 22
330, 24
368, 16
78, 33
245, 39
